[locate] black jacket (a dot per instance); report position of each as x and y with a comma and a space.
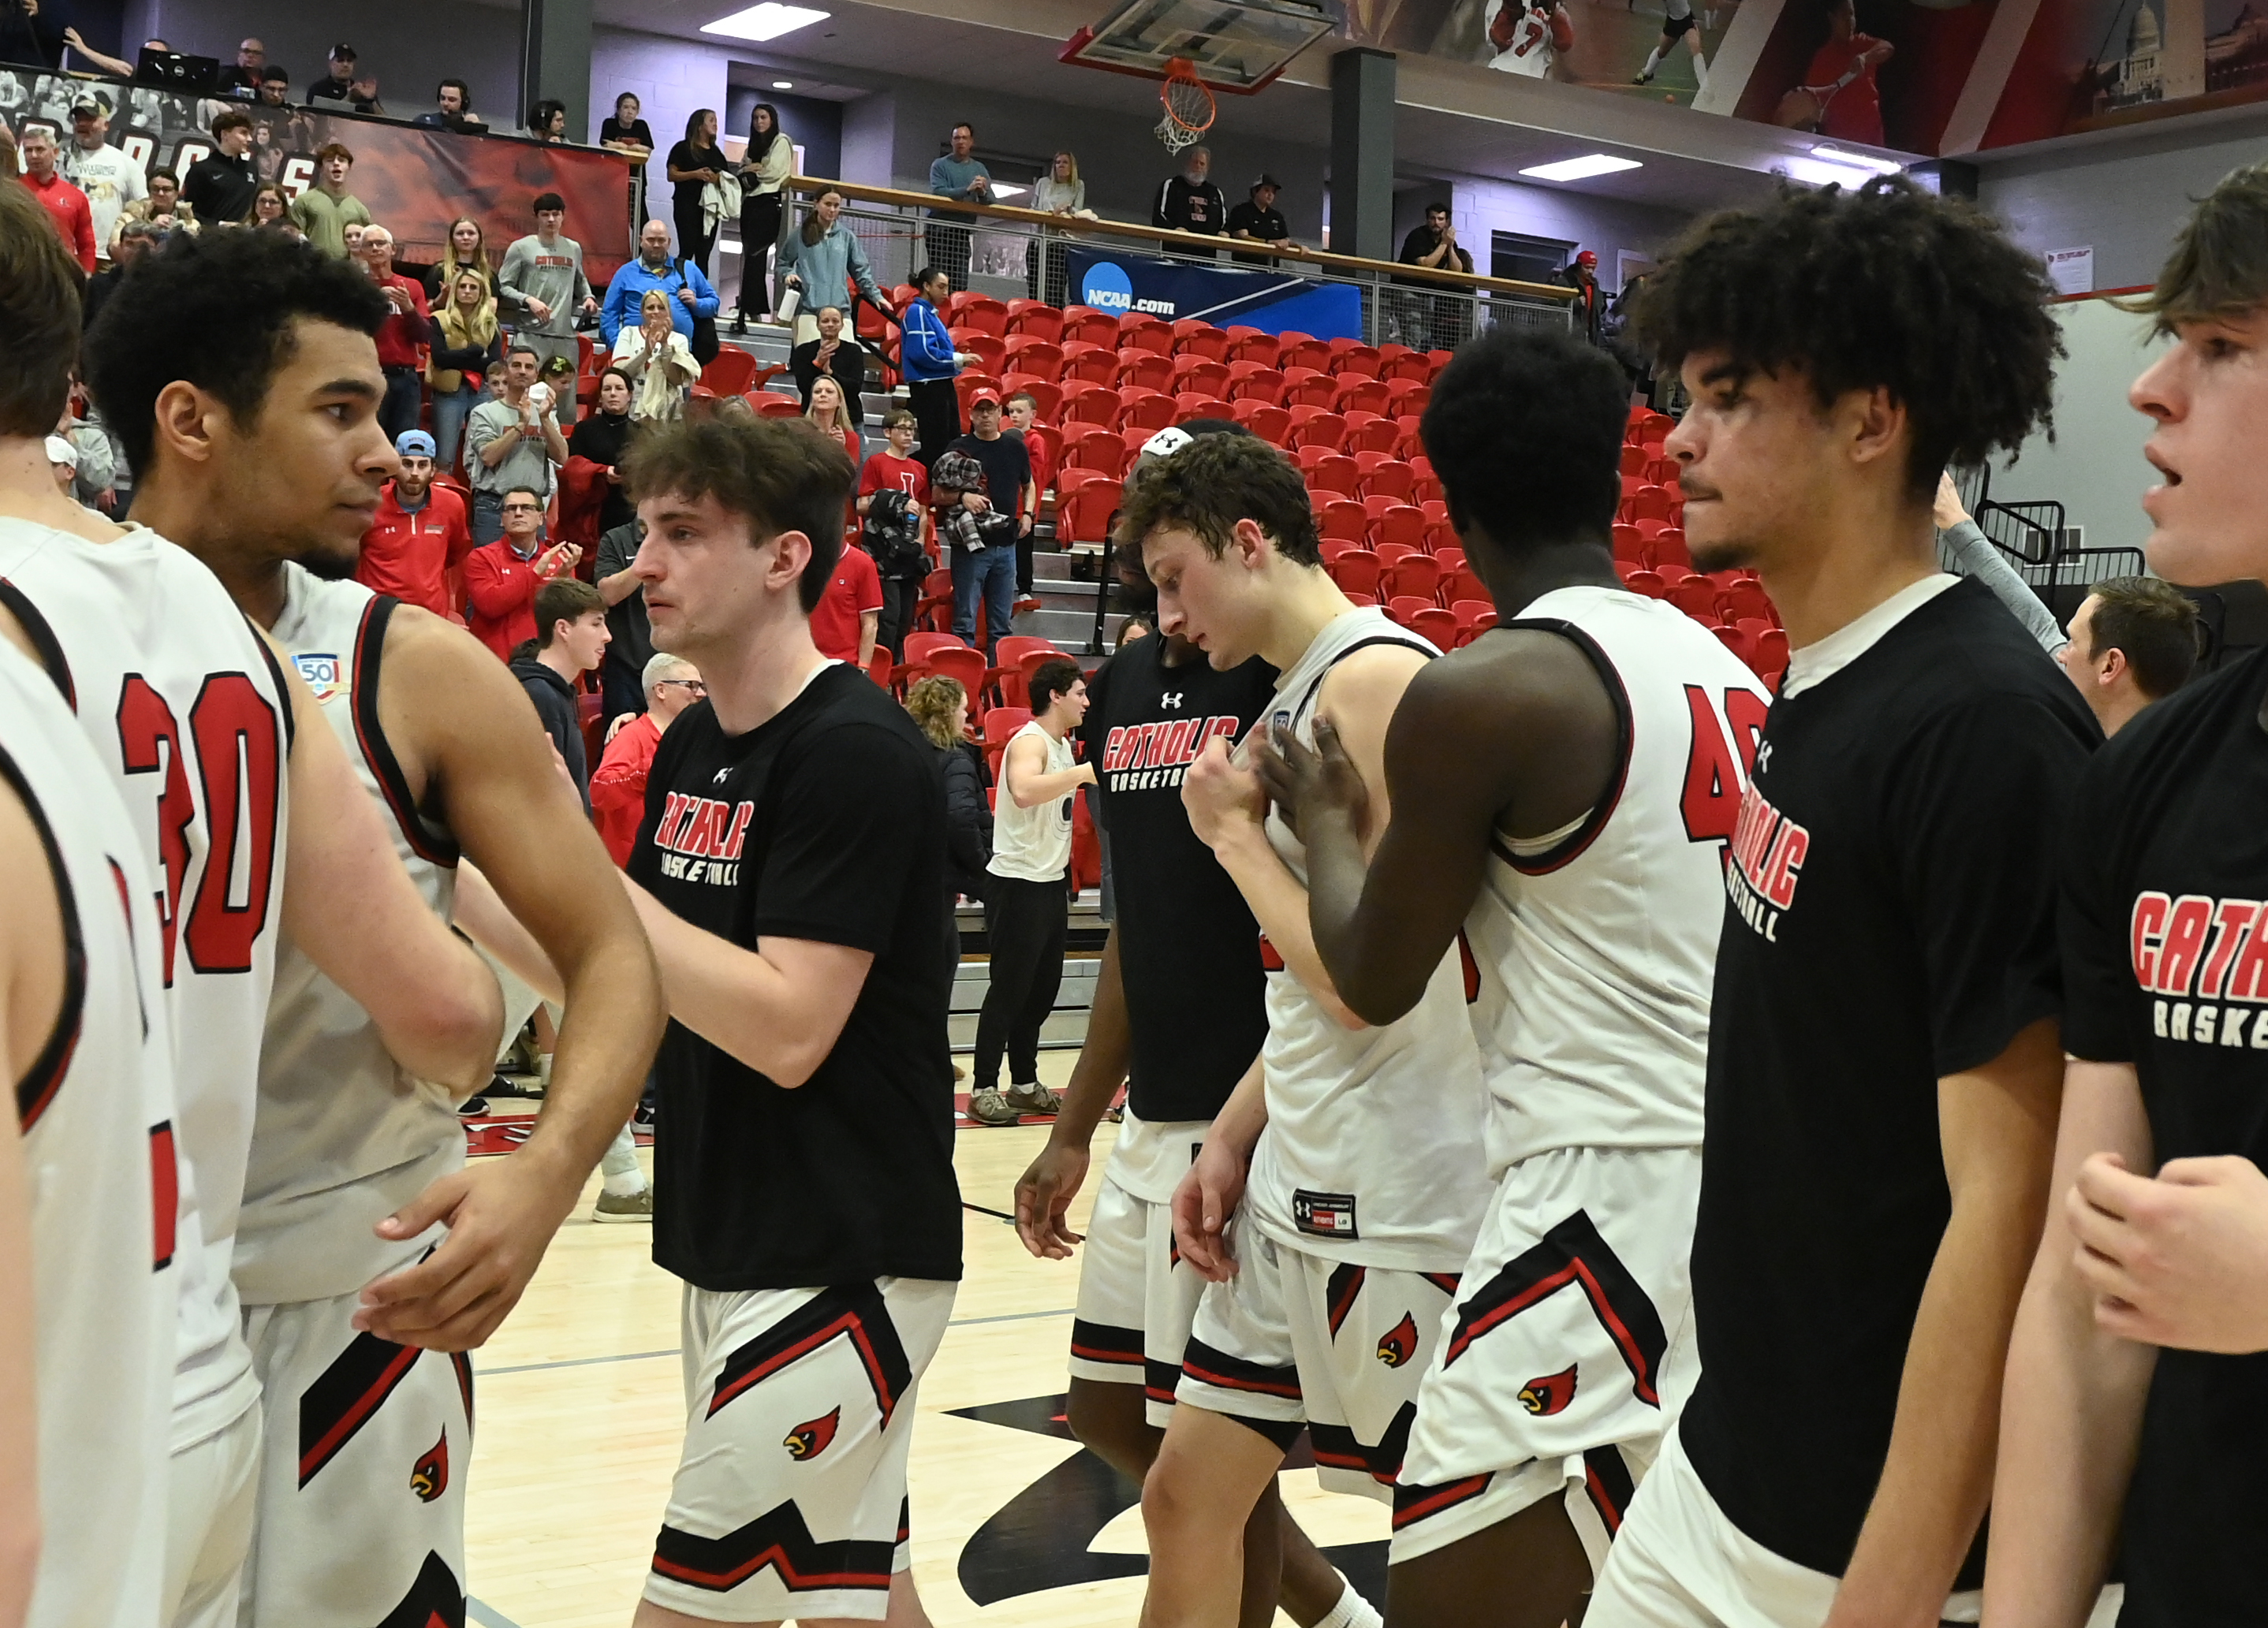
850, 371
968, 818
555, 704
1201, 209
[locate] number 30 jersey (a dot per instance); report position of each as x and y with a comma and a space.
1596, 945
186, 706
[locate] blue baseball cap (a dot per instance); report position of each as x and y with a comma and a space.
414, 444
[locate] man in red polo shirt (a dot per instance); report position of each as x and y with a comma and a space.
848, 615
618, 785
501, 578
403, 340
66, 203
420, 533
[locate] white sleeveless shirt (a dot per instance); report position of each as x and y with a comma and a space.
1033, 844
1372, 1149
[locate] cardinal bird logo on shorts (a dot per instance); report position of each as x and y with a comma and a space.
812, 1437
1399, 1343
428, 1476
1549, 1393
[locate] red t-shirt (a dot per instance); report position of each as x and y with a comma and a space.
402, 340
405, 554
1855, 112
857, 588
1039, 445
618, 788
501, 587
887, 469
72, 217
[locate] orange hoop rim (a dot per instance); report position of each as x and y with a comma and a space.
1181, 70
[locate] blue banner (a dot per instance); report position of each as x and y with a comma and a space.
1226, 295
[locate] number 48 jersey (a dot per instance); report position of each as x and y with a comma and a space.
1596, 946
186, 706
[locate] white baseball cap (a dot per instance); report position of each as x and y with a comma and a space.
1167, 441
62, 451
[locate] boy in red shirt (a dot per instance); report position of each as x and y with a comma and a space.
896, 470
1040, 446
849, 616
419, 534
502, 577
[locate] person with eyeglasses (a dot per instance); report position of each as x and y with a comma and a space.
618, 784
501, 578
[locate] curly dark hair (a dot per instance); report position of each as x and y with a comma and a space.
1886, 286
780, 474
1212, 484
1525, 432
218, 310
2219, 266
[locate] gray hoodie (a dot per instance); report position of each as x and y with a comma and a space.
554, 276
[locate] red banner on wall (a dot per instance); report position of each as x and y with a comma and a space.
413, 180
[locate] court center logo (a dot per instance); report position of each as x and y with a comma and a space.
1107, 287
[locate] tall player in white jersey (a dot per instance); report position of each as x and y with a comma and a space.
1563, 789
1366, 1183
240, 356
191, 713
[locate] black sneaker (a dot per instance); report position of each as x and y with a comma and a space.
472, 1108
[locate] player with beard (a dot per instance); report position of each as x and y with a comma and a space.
1177, 1018
1562, 790
194, 717
1883, 1068
243, 357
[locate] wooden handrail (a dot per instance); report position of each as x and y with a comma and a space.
1074, 225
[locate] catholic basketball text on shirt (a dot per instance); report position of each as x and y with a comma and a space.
700, 839
2202, 952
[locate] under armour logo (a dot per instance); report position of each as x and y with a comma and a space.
1172, 700
1764, 758
720, 777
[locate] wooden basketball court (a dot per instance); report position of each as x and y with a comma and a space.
581, 1410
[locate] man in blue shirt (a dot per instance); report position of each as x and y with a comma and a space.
964, 178
689, 293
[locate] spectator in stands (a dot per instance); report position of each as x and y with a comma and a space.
466, 338
961, 176
847, 619
404, 340
325, 209
219, 186
353, 233
603, 438
1023, 423
929, 363
893, 538
1963, 547
62, 465
546, 120
836, 353
695, 163
1432, 320
512, 441
162, 208
270, 206
502, 577
770, 160
985, 518
541, 282
941, 705
275, 87
241, 79
465, 249
824, 258
827, 415
2134, 640
1060, 191
1590, 304
1030, 869
689, 293
135, 239
65, 202
110, 180
95, 472
1190, 201
618, 784
657, 360
420, 533
633, 639
345, 83
1258, 220
571, 639
452, 110
624, 132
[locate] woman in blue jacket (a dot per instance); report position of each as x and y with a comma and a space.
823, 259
927, 360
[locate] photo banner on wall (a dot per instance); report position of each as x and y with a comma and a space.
1224, 295
413, 180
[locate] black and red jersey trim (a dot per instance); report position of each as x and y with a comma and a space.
1607, 1480
855, 1312
1569, 850
778, 1539
1202, 1363
435, 1599
462, 1362
1338, 1448
345, 1395
1413, 1504
1103, 1342
1340, 1294
44, 641
45, 1077
370, 734
1159, 1379
283, 690
1572, 1253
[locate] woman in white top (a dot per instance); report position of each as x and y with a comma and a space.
1058, 191
657, 358
763, 198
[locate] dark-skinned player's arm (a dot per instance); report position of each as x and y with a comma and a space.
351, 907
485, 762
1045, 1193
2071, 1407
1521, 730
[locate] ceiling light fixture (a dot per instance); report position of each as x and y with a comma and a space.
1833, 154
1821, 172
783, 84
1582, 169
767, 21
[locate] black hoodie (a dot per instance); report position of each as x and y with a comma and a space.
555, 704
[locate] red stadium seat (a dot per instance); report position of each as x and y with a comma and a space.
1374, 434
1696, 596
1410, 364
1460, 582
1138, 330
1366, 395
1402, 523
1251, 345
989, 350
1316, 390
1738, 641
1355, 358
1403, 607
1095, 404
1027, 353
1100, 450
1332, 548
1264, 385
1343, 518
1211, 407
1046, 397
934, 609
1272, 424
1194, 336
1389, 479
1096, 328
1334, 472
1200, 373
1440, 538
731, 372
1670, 548
1138, 366
1356, 571
1089, 365
964, 666
1419, 575
1633, 460
1136, 438
772, 405
1320, 430
1085, 515
1745, 599
1645, 583
920, 645
1035, 317
1473, 615
1437, 626
1771, 654
1630, 544
1152, 410
1391, 554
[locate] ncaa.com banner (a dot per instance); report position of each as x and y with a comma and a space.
1224, 295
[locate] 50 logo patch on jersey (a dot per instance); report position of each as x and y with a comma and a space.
323, 674
2201, 953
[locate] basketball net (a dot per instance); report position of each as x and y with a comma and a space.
1189, 105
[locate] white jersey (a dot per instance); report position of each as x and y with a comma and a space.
186, 707
95, 1110
1033, 844
1530, 54
343, 1137
1372, 1149
1596, 945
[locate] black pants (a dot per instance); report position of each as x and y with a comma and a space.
760, 224
948, 252
694, 239
1027, 922
937, 412
901, 599
1024, 564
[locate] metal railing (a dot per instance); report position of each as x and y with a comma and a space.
2036, 538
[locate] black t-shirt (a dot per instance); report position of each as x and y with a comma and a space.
1422, 241
1008, 468
603, 438
1891, 921
686, 155
220, 188
1189, 948
826, 823
2166, 962
613, 129
1267, 224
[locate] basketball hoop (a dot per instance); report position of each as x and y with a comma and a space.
1189, 105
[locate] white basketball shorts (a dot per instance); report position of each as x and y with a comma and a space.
790, 1500
214, 1493
1136, 1298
